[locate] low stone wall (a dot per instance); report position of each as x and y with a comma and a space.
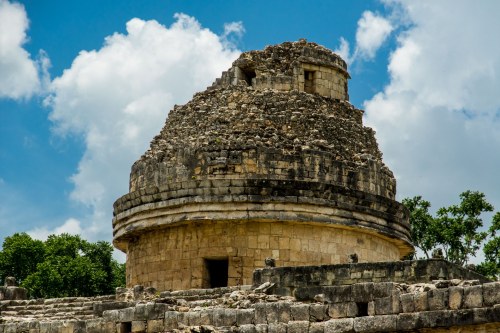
361, 308
304, 279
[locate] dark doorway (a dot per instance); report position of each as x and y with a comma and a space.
309, 82
362, 309
125, 327
250, 74
217, 272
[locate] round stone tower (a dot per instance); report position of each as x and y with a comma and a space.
271, 161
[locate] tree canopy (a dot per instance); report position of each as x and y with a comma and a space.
457, 230
64, 265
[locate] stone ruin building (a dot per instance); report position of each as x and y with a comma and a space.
264, 206
272, 161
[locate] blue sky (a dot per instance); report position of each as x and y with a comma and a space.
85, 86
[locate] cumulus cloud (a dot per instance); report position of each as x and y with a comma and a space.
117, 98
19, 73
372, 31
437, 120
344, 50
71, 226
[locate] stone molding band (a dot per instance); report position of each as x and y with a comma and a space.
322, 203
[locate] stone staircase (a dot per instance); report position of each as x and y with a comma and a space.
68, 308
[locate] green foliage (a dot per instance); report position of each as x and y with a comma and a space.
64, 265
456, 230
20, 256
491, 265
458, 226
421, 224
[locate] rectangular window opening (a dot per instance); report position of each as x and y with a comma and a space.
126, 327
217, 272
250, 74
309, 82
362, 309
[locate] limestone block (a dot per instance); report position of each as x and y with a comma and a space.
93, 326
245, 317
140, 312
407, 304
284, 314
34, 327
345, 325
455, 297
298, 326
11, 328
421, 301
224, 317
299, 312
337, 294
431, 319
155, 326
276, 328
382, 289
362, 292
407, 321
44, 327
317, 327
272, 312
491, 293
260, 313
206, 317
463, 317
386, 323
473, 297
318, 312
482, 315
170, 321
126, 315
337, 310
383, 306
371, 308
193, 318
261, 328
138, 326
438, 299
246, 328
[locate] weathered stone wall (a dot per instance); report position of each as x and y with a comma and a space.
292, 152
281, 126
306, 281
443, 306
287, 67
173, 258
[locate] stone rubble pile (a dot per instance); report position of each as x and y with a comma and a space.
366, 307
242, 118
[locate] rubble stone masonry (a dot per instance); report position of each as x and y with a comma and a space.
273, 145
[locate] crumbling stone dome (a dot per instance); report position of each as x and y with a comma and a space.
272, 161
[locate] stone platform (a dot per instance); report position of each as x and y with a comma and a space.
448, 304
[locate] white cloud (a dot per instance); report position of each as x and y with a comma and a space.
437, 120
118, 98
344, 50
70, 226
372, 31
18, 72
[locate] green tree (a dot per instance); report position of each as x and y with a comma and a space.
456, 229
422, 224
458, 232
67, 266
20, 256
491, 265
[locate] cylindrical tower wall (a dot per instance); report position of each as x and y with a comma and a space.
177, 257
